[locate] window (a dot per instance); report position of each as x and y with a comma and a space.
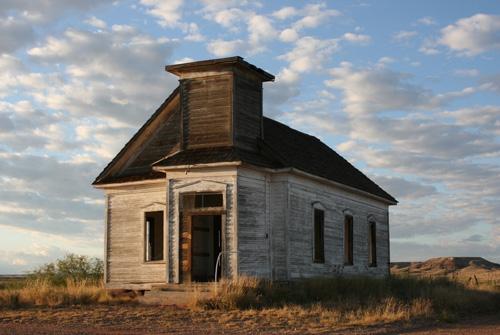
154, 236
208, 200
319, 235
348, 240
372, 244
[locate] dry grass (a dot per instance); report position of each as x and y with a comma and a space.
42, 292
353, 301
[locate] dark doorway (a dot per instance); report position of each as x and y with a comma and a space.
206, 245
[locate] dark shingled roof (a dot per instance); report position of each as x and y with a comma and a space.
285, 147
309, 154
217, 155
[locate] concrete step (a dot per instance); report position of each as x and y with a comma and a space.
179, 296
193, 287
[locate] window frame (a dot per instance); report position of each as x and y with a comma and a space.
372, 242
348, 239
146, 236
320, 208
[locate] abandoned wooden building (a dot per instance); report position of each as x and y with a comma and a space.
208, 184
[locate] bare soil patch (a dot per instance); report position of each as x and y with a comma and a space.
139, 319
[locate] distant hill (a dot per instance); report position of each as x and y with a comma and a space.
467, 269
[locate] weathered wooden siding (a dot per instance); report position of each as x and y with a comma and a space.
206, 105
253, 224
125, 234
247, 111
278, 217
303, 193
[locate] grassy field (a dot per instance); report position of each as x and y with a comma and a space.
332, 301
51, 301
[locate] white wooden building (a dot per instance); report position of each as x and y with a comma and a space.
208, 177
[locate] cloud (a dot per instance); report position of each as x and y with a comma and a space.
356, 38
228, 18
43, 194
466, 72
314, 15
405, 189
285, 13
42, 12
112, 74
427, 21
16, 33
260, 31
222, 48
95, 22
310, 53
168, 13
429, 47
404, 35
375, 90
289, 35
472, 35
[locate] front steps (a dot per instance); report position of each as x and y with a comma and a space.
177, 294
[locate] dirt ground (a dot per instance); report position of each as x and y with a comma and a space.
139, 319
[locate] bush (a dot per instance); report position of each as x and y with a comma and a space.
72, 267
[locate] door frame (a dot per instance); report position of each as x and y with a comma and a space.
185, 276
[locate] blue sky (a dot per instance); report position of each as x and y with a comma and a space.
407, 91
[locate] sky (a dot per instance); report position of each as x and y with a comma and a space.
407, 91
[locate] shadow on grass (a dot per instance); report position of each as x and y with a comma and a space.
359, 299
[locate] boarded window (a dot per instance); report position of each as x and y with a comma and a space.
154, 236
372, 244
348, 240
204, 200
319, 236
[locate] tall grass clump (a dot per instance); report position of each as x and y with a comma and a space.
356, 299
72, 280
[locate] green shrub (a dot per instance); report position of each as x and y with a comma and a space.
71, 267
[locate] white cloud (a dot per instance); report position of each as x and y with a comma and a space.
95, 22
429, 47
310, 53
114, 74
289, 35
194, 34
168, 13
228, 18
356, 38
260, 30
472, 35
373, 90
47, 11
221, 48
314, 15
285, 13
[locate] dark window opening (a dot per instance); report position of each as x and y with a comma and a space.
348, 240
372, 244
204, 200
319, 236
154, 236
